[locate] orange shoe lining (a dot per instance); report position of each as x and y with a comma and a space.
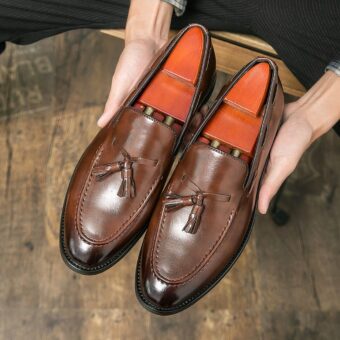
237, 122
171, 90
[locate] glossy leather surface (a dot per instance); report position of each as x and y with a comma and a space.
204, 217
120, 175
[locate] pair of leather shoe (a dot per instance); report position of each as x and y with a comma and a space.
198, 226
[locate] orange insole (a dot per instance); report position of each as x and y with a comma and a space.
172, 89
237, 122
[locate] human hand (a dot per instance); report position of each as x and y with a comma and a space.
136, 56
146, 32
304, 121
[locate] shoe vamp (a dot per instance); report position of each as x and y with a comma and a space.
179, 255
102, 213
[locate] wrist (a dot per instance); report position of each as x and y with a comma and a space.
320, 107
149, 21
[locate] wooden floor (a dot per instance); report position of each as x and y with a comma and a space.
286, 284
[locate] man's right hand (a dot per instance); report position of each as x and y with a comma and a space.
146, 32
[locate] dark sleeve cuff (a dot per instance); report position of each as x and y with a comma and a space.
179, 5
334, 66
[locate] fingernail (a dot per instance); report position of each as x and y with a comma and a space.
265, 208
261, 211
262, 208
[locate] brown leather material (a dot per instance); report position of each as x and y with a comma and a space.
119, 177
176, 267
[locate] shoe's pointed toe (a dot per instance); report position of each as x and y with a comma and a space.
82, 255
158, 293
155, 294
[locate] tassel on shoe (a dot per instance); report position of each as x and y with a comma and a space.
195, 217
103, 171
128, 185
172, 202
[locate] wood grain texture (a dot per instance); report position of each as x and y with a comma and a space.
246, 40
284, 286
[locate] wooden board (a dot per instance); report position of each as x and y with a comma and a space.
246, 40
230, 57
284, 286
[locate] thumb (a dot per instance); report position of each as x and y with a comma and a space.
278, 170
122, 83
135, 58
111, 107
291, 142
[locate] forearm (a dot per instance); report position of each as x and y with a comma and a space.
148, 20
320, 106
147, 30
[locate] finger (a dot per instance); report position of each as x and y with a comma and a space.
276, 174
117, 96
129, 70
291, 142
111, 106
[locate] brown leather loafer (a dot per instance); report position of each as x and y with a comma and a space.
118, 179
203, 220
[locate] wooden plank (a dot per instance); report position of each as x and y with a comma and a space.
230, 57
246, 40
120, 33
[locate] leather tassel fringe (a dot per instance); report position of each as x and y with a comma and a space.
103, 171
128, 185
194, 219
